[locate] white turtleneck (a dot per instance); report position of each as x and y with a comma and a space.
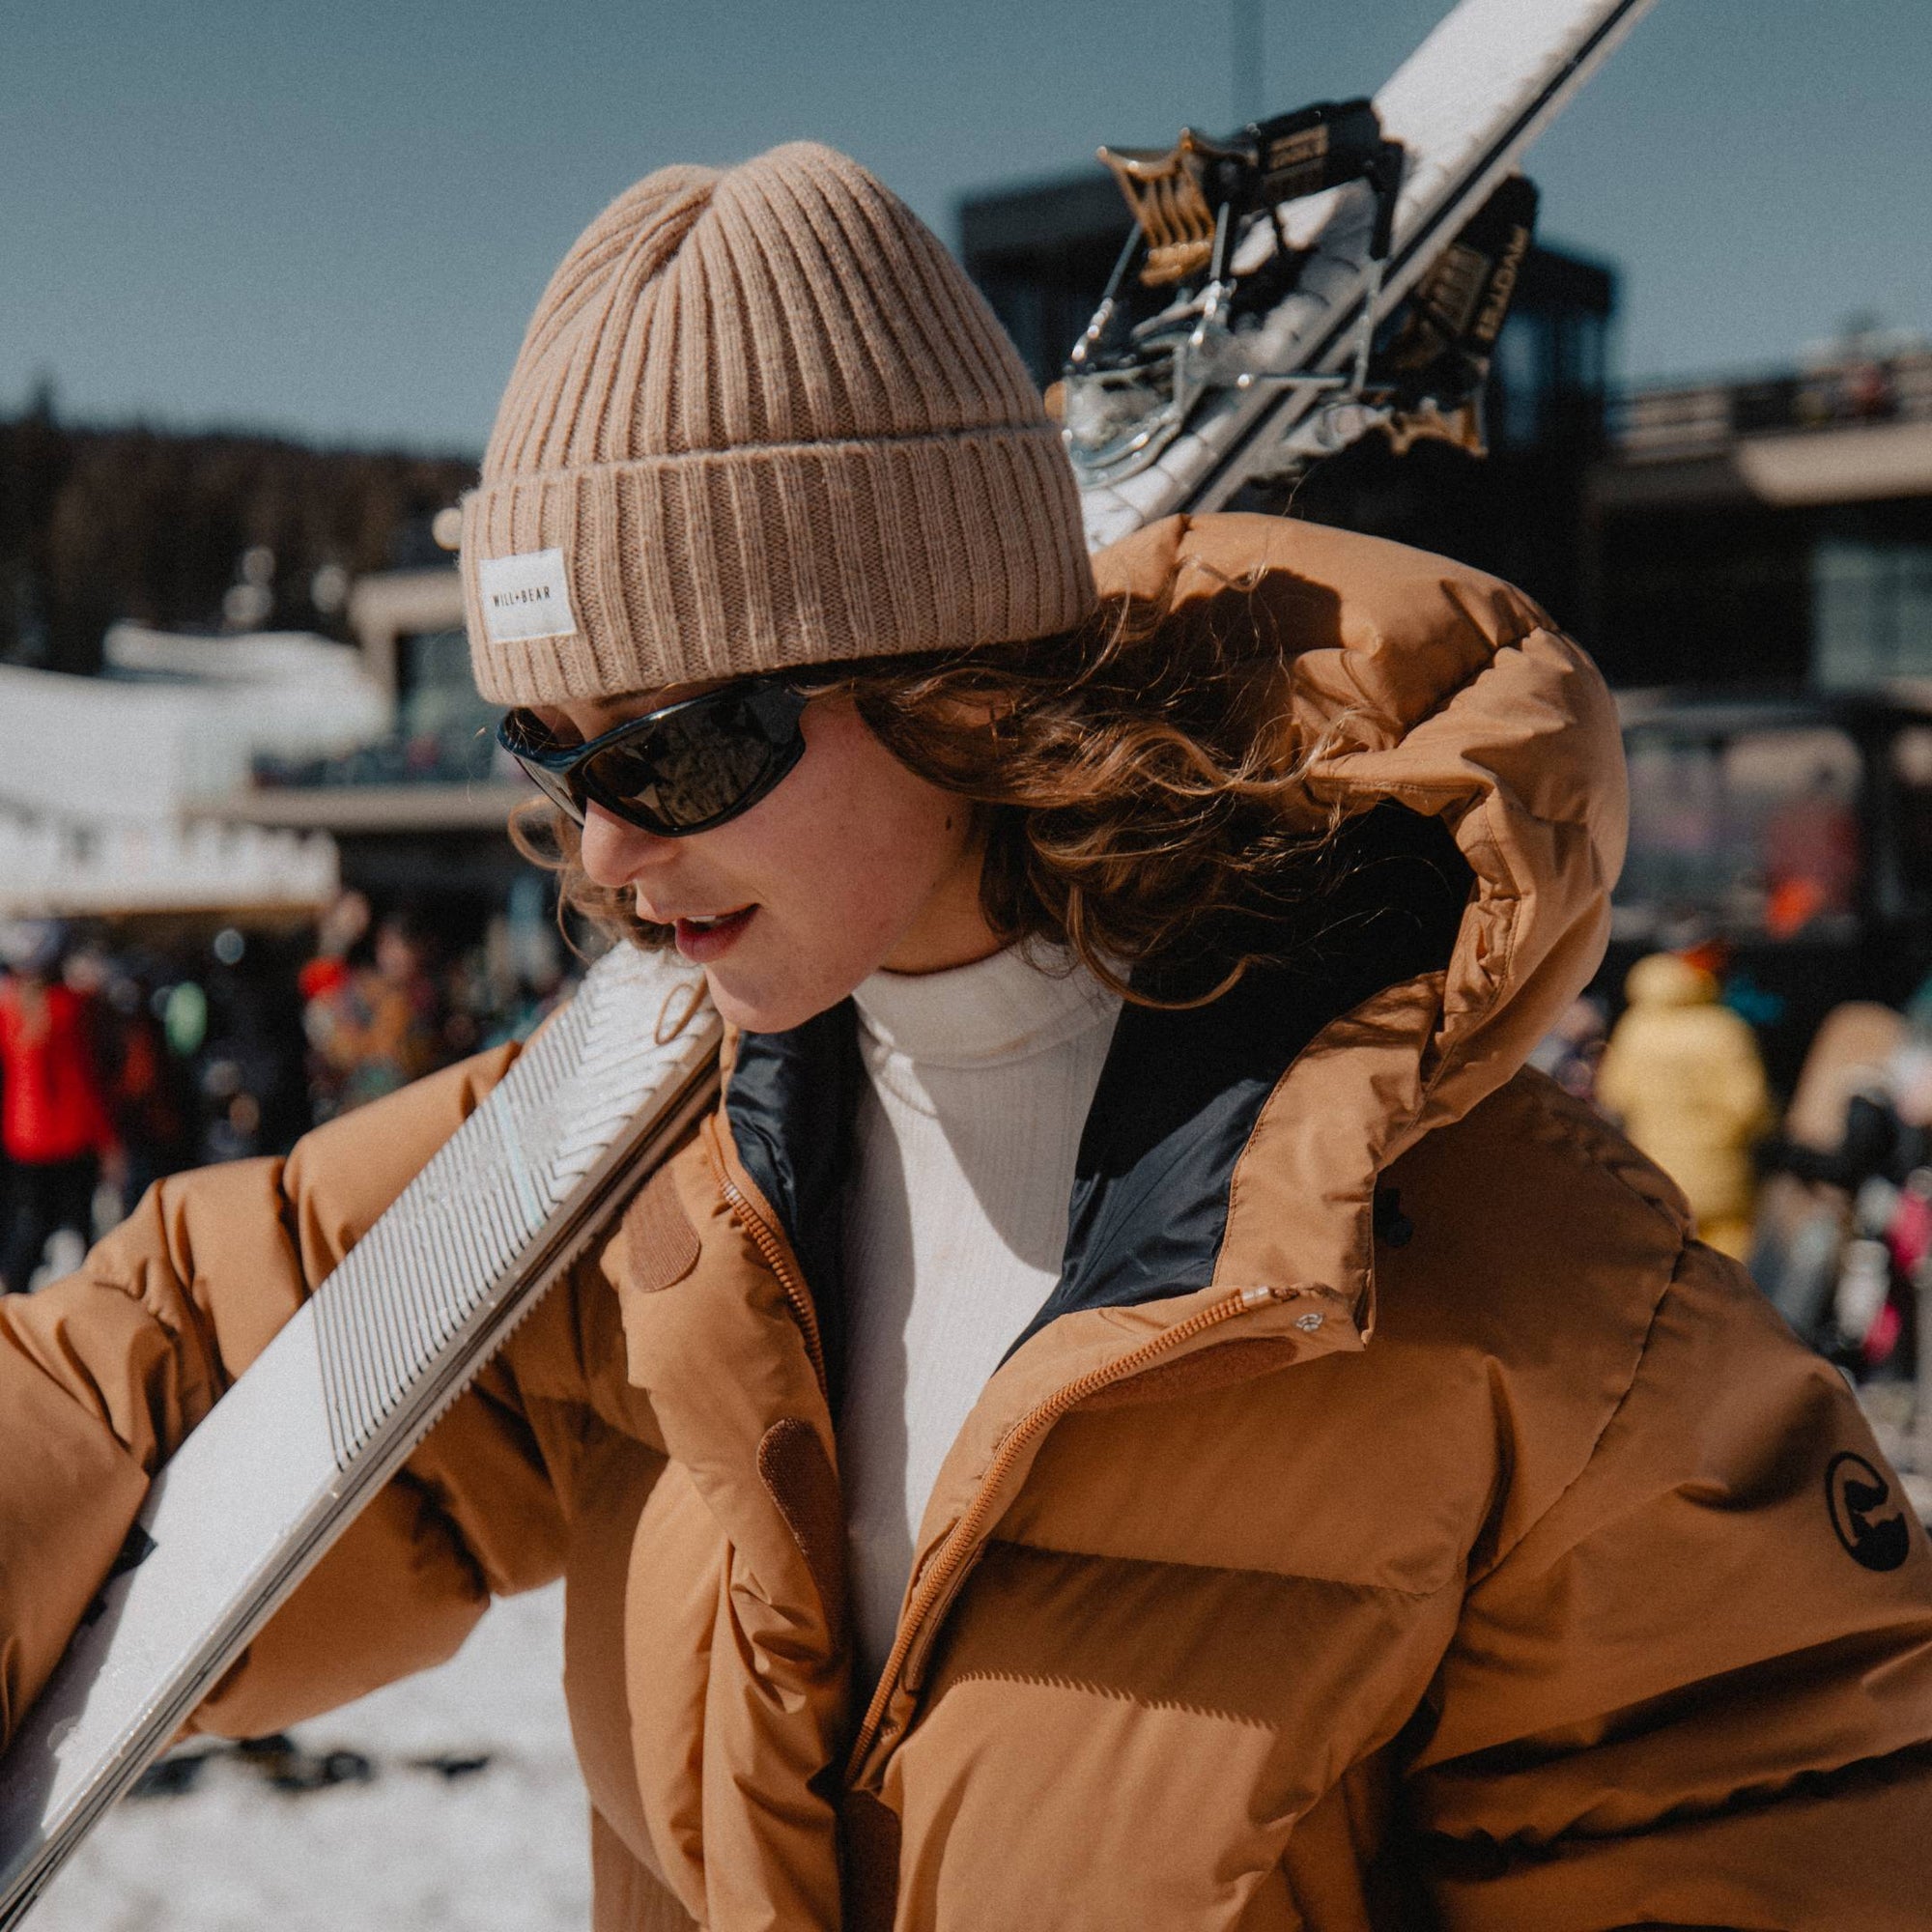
956, 1221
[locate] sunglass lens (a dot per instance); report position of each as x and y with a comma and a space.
525, 738
696, 766
555, 787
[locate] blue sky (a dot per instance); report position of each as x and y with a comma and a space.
335, 221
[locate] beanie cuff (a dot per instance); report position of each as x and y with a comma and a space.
763, 557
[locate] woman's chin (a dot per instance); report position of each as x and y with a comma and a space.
753, 1003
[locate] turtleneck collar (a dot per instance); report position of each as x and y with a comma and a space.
1002, 1009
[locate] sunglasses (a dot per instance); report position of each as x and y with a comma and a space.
681, 769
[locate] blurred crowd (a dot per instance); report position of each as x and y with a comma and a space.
124, 1058
1828, 1199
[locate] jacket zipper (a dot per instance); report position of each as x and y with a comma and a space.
768, 1244
948, 1569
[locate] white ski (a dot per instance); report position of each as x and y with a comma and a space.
329, 1411
1464, 106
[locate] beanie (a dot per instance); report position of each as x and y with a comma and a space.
761, 419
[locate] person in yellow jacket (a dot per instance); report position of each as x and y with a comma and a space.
1683, 1075
1136, 1411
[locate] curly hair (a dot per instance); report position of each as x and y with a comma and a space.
1137, 786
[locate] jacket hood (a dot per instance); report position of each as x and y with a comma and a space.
1410, 682
1416, 680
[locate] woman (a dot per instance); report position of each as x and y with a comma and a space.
1133, 1413
56, 1127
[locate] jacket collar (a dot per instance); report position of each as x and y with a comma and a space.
1177, 1103
789, 1102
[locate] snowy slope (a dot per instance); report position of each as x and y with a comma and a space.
499, 1849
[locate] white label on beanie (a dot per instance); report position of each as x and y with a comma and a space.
525, 596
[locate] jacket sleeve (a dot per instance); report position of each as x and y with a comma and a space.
105, 1372
1698, 1690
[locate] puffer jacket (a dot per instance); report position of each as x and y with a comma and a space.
1393, 1519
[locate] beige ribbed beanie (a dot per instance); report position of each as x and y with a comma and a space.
762, 418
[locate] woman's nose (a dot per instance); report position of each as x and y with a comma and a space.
616, 854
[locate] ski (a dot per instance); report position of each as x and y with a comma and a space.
1237, 341
328, 1413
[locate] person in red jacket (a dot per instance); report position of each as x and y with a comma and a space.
54, 1122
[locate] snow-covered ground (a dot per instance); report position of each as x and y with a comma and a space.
503, 1847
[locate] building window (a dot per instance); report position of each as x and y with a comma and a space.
1871, 612
1750, 837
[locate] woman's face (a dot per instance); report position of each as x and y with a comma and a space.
850, 864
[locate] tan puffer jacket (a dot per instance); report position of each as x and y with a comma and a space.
1394, 1519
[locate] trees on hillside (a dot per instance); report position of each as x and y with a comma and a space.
103, 524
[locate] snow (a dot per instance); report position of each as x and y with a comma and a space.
503, 1847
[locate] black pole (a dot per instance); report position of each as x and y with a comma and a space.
1246, 29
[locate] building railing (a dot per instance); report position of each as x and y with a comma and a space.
1669, 423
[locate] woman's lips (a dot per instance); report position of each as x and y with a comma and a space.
701, 944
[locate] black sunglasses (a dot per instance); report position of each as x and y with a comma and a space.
678, 770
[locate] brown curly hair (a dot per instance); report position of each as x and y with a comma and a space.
1137, 786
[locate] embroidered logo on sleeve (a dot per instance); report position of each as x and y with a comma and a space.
1855, 1494
526, 596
